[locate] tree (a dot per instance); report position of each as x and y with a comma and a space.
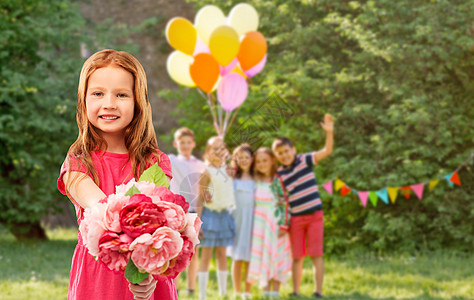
397, 77
39, 63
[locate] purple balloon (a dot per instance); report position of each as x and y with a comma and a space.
257, 68
232, 91
224, 70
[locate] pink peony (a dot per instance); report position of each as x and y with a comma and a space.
141, 216
175, 216
152, 253
168, 196
115, 203
93, 226
192, 227
114, 250
181, 262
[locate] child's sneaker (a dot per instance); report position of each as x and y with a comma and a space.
317, 295
294, 295
266, 294
275, 295
247, 296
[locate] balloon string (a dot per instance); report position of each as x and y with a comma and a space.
209, 102
233, 118
219, 112
226, 121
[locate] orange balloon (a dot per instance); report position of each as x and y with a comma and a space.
253, 48
204, 71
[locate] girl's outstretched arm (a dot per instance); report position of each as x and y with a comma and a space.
83, 189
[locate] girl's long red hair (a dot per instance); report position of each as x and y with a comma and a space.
140, 137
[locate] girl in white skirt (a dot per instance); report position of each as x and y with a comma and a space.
214, 205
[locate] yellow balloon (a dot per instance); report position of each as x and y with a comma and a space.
207, 19
243, 18
224, 44
181, 35
178, 65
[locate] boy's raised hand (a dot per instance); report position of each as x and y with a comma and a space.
328, 124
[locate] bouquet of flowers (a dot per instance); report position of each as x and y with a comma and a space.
142, 229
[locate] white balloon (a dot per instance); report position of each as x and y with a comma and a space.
207, 19
178, 65
243, 18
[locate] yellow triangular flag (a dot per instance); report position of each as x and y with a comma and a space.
338, 184
433, 183
392, 192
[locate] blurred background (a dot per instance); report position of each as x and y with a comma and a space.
397, 76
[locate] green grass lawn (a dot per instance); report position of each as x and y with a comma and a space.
40, 271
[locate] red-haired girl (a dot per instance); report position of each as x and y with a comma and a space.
116, 143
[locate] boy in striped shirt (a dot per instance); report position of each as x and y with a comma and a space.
305, 207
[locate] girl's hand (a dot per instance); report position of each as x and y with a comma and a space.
144, 289
207, 196
201, 234
328, 124
281, 233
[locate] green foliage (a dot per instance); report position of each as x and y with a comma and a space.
397, 77
155, 174
132, 273
39, 63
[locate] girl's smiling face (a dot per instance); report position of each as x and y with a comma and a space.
217, 152
263, 163
243, 160
110, 100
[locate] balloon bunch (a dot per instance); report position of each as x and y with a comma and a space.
217, 53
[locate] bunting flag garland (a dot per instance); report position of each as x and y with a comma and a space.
363, 195
328, 187
338, 184
345, 190
448, 179
455, 178
433, 183
406, 191
390, 194
383, 195
373, 198
418, 189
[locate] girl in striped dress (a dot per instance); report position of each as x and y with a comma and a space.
270, 262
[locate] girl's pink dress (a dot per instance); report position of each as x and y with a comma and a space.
89, 279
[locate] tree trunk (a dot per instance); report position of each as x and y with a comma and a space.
26, 231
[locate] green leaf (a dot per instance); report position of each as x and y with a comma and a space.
132, 191
132, 273
155, 175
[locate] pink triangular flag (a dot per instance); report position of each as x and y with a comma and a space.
328, 187
418, 189
363, 197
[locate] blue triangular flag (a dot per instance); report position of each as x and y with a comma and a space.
448, 177
383, 195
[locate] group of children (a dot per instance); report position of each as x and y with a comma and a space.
237, 202
266, 233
